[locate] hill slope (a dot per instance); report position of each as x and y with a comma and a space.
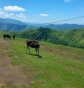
12, 25
11, 21
59, 67
73, 37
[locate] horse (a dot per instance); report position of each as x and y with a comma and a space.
13, 36
6, 36
33, 44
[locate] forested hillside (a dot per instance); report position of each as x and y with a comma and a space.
73, 37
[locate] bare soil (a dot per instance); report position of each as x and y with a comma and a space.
10, 75
64, 52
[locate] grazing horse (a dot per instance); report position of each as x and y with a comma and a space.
6, 36
13, 36
33, 44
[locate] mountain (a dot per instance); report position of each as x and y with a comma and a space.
36, 25
56, 26
11, 21
64, 26
16, 25
12, 25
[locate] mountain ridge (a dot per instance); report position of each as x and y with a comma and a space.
16, 25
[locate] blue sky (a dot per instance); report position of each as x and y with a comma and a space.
43, 11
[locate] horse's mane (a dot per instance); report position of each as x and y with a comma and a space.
32, 41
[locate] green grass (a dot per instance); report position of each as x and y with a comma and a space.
59, 67
62, 67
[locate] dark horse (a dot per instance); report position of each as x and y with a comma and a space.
6, 36
13, 36
33, 44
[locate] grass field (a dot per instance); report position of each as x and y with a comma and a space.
59, 67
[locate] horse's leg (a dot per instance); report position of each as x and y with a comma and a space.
36, 51
4, 37
28, 49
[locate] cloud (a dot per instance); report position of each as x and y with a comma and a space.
0, 9
2, 13
5, 14
67, 1
45, 15
11, 12
21, 15
14, 8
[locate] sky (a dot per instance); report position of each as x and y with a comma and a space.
43, 11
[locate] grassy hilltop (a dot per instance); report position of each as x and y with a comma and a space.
60, 66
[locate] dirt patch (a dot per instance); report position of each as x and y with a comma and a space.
64, 52
10, 75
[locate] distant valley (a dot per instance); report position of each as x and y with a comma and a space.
65, 34
16, 25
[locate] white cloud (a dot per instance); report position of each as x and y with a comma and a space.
8, 12
5, 14
2, 13
44, 15
11, 14
67, 1
13, 8
0, 9
21, 15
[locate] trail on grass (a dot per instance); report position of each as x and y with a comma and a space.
65, 52
10, 75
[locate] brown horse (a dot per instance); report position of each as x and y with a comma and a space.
33, 44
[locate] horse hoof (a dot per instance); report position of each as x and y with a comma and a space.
40, 56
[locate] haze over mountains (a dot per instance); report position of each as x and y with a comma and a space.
16, 25
47, 32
